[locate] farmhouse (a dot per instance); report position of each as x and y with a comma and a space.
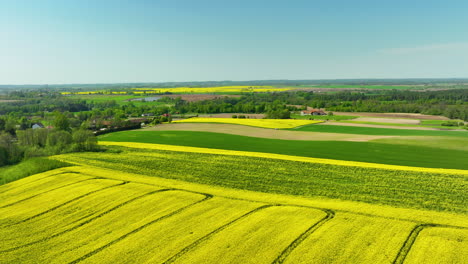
37, 125
312, 112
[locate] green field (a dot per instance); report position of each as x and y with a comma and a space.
325, 117
119, 99
419, 156
430, 124
438, 122
379, 131
377, 87
456, 143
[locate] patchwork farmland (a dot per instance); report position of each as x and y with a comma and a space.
191, 132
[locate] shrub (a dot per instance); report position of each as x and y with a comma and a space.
450, 123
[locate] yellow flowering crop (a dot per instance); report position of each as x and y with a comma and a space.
360, 247
441, 244
219, 89
128, 218
245, 240
265, 123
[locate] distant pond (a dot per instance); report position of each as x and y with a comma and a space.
148, 99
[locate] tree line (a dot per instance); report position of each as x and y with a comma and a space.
450, 103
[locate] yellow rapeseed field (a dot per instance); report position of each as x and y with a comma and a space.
245, 240
440, 244
218, 89
184, 90
265, 123
346, 236
95, 215
199, 221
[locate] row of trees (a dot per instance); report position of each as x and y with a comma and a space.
18, 142
450, 103
43, 142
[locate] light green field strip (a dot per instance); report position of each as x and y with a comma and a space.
456, 143
124, 220
165, 239
30, 186
77, 213
350, 238
441, 245
258, 238
47, 201
282, 157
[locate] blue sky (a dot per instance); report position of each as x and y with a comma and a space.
102, 41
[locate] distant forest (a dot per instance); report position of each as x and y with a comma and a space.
67, 124
450, 82
449, 103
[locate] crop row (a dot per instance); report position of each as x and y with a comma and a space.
400, 188
122, 221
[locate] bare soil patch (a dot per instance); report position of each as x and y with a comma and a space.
393, 115
263, 132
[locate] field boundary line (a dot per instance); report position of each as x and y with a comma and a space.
54, 189
290, 248
207, 197
336, 162
87, 221
214, 232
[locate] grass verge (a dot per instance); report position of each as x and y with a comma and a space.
29, 167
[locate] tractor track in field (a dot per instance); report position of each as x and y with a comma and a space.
68, 202
411, 239
207, 197
87, 221
406, 247
282, 257
283, 204
214, 232
54, 189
